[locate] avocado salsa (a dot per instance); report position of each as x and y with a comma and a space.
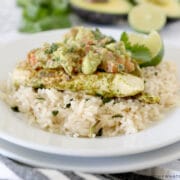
84, 51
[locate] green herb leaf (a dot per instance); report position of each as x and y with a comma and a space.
100, 132
41, 86
91, 131
117, 115
125, 39
40, 98
140, 53
56, 59
15, 108
55, 113
52, 48
149, 99
120, 67
106, 100
68, 105
97, 34
99, 95
133, 2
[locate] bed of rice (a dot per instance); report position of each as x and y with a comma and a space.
83, 115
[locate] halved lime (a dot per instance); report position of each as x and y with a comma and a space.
170, 7
153, 42
146, 17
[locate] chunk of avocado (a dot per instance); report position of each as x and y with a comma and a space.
90, 63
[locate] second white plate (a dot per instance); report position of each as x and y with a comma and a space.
91, 165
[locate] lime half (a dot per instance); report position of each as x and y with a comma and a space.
170, 7
146, 17
153, 42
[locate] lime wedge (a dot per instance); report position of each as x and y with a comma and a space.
153, 42
146, 17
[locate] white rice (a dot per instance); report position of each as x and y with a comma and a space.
83, 115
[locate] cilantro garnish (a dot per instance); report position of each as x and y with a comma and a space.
56, 59
97, 34
40, 98
40, 86
15, 108
55, 113
106, 100
138, 52
117, 115
100, 132
68, 105
52, 48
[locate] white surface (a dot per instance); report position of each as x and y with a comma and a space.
14, 129
52, 174
6, 173
92, 165
10, 17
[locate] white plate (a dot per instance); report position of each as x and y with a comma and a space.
17, 131
118, 164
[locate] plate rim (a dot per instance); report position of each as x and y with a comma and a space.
143, 164
80, 152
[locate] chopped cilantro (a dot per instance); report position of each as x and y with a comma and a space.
47, 51
55, 113
100, 132
56, 59
106, 100
71, 49
97, 34
120, 67
117, 115
98, 95
40, 98
68, 105
40, 86
149, 99
15, 108
124, 38
52, 48
91, 130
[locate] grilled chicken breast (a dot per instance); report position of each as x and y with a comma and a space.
100, 83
